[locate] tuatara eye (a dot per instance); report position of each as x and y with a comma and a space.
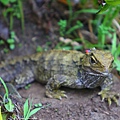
92, 60
112, 62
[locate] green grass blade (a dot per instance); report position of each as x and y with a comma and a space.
34, 111
114, 44
6, 90
103, 9
26, 108
113, 2
0, 114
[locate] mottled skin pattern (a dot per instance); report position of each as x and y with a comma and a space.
58, 68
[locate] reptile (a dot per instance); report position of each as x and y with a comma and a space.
57, 68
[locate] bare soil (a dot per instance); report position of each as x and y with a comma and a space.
81, 104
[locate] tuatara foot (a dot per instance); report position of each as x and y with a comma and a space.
109, 96
58, 94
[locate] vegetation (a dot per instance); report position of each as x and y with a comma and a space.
13, 8
9, 105
28, 111
109, 4
10, 41
116, 52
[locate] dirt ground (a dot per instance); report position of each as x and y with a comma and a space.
80, 104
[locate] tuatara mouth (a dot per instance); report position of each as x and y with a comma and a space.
90, 71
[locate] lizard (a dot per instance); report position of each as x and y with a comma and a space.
57, 68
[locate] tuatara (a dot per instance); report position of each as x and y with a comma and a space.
58, 68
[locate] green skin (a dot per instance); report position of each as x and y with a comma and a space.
58, 68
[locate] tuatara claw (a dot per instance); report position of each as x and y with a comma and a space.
56, 94
109, 96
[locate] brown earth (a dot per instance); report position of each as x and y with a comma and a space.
80, 104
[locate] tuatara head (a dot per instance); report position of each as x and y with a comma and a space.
97, 61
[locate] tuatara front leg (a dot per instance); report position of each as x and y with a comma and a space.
53, 85
107, 93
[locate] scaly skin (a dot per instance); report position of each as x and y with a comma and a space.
58, 68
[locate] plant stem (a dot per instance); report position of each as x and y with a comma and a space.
21, 14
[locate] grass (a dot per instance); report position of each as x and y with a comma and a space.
28, 111
13, 8
1, 118
108, 5
116, 52
9, 105
102, 23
